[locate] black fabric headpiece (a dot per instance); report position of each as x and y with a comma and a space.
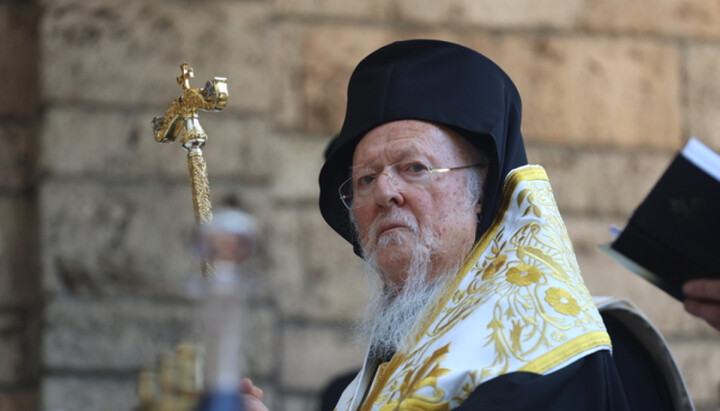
435, 81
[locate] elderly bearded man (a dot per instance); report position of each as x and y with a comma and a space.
481, 304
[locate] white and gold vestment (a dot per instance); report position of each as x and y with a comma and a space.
518, 304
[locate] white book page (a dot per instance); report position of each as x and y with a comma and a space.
703, 157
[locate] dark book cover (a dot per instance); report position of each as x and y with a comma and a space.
673, 236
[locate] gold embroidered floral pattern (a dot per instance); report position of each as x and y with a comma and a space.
408, 396
523, 274
562, 301
494, 267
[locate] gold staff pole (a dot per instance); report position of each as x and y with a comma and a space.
181, 120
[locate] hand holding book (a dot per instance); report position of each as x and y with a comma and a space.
672, 237
703, 300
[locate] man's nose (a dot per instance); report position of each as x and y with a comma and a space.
387, 190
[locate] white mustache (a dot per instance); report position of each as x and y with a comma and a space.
395, 217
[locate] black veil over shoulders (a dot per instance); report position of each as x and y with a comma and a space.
435, 81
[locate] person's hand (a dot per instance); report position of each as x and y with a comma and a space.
703, 300
252, 396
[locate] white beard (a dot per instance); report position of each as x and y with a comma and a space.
389, 319
394, 310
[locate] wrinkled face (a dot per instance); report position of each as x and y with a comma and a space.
400, 215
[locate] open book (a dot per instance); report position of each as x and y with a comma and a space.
674, 235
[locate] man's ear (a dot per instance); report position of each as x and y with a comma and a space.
478, 209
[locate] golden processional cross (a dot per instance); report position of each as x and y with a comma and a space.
181, 122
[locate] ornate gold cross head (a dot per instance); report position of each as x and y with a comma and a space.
180, 120
187, 74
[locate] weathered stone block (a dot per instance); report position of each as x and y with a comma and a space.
17, 159
103, 52
130, 334
371, 9
298, 166
110, 334
573, 88
83, 141
88, 393
286, 270
19, 63
107, 239
19, 268
698, 361
488, 13
287, 60
104, 143
331, 53
242, 150
703, 87
312, 355
102, 239
594, 181
592, 91
606, 277
314, 272
693, 18
463, 12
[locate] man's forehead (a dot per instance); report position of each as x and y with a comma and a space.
403, 139
395, 150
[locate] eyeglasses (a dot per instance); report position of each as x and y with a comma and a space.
357, 190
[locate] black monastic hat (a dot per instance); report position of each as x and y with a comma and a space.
435, 81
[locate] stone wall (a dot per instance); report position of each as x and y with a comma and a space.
95, 216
